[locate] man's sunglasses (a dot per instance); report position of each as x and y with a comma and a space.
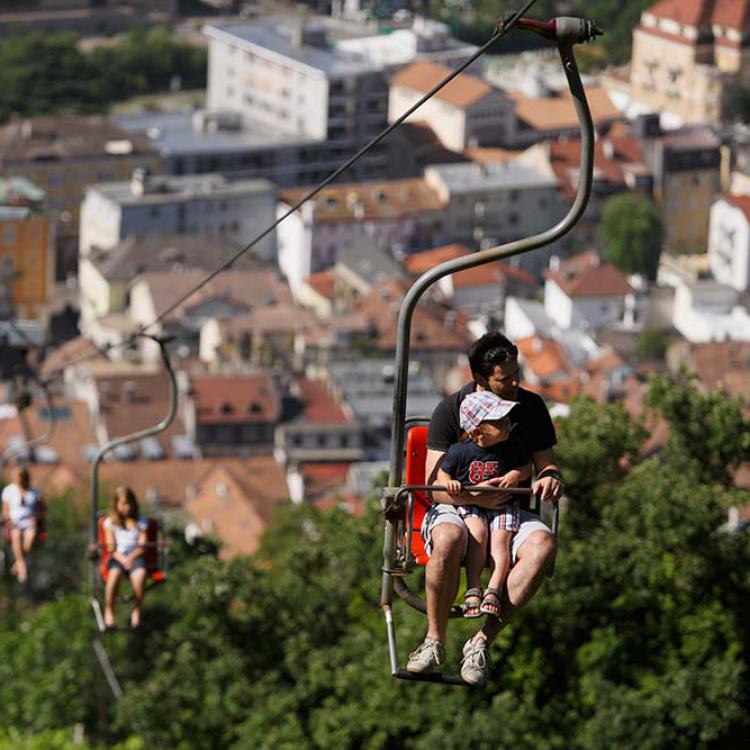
501, 355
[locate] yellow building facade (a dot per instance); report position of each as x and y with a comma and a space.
27, 257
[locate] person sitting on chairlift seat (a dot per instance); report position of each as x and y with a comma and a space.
494, 366
20, 506
125, 535
489, 451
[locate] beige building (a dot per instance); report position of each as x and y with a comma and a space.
62, 155
686, 53
466, 112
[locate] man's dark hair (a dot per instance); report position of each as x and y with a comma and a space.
490, 350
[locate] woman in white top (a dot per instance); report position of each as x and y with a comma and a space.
125, 537
20, 507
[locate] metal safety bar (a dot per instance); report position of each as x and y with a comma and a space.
565, 32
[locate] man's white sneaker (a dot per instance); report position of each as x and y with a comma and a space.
429, 656
476, 662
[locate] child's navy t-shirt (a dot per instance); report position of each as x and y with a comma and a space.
470, 463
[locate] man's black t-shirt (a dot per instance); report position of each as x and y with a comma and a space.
470, 463
532, 424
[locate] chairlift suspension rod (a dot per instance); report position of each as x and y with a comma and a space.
567, 32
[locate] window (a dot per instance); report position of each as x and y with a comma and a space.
9, 237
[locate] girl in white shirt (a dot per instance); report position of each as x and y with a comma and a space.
20, 507
125, 537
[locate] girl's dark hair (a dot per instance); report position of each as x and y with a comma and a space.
24, 480
492, 349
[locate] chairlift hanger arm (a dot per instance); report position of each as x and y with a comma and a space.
8, 453
500, 252
147, 432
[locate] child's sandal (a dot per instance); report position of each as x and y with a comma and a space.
491, 603
472, 603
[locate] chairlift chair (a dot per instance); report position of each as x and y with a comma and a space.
156, 549
406, 500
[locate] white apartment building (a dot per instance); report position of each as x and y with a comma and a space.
729, 241
398, 214
498, 202
586, 292
290, 80
466, 112
207, 204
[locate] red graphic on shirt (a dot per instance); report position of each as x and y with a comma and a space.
481, 470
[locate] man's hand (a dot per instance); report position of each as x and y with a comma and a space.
548, 488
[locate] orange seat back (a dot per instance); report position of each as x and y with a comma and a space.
416, 455
150, 555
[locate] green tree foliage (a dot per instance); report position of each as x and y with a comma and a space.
708, 431
652, 345
617, 19
47, 74
640, 641
632, 232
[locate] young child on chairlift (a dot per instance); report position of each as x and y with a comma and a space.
20, 507
489, 451
125, 534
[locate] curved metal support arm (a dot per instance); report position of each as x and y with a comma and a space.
489, 255
508, 250
8, 453
112, 444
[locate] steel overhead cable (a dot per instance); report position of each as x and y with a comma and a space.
505, 25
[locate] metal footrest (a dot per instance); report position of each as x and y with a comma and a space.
438, 677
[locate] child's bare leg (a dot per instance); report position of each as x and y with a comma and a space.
21, 571
476, 554
500, 563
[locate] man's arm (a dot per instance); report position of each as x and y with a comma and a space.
549, 485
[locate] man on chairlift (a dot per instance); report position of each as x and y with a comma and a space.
493, 360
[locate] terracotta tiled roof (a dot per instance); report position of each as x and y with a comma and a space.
558, 112
324, 480
269, 319
544, 357
73, 430
133, 397
323, 283
688, 12
429, 330
417, 263
236, 502
614, 157
585, 275
248, 288
739, 201
225, 399
388, 199
732, 14
462, 91
318, 404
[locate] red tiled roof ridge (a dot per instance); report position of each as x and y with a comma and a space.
742, 202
